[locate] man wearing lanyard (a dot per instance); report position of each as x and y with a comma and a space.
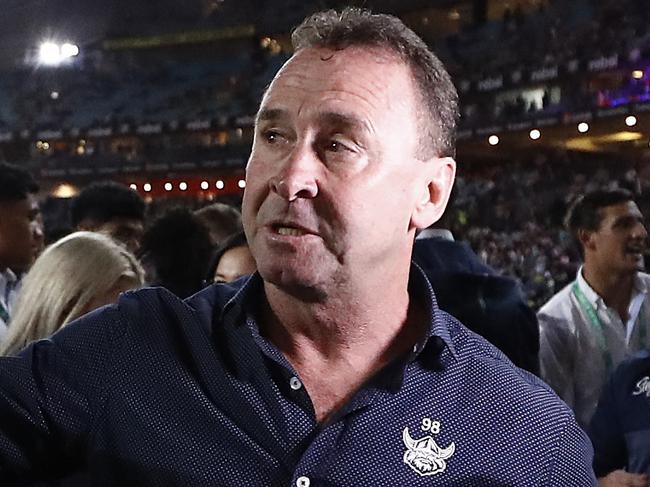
602, 317
21, 233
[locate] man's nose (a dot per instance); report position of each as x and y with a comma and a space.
37, 230
640, 231
297, 176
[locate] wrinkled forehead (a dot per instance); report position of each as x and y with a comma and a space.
369, 84
370, 76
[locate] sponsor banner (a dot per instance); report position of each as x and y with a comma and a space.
80, 171
53, 173
211, 164
490, 84
100, 132
547, 121
578, 117
609, 112
245, 121
198, 125
232, 162
157, 167
50, 134
489, 130
603, 63
512, 127
149, 128
544, 74
184, 165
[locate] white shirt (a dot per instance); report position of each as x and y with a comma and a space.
8, 292
572, 359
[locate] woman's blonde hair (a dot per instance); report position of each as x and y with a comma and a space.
63, 281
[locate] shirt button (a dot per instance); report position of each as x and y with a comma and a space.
303, 482
295, 384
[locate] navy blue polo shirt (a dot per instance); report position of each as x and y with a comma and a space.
156, 391
620, 428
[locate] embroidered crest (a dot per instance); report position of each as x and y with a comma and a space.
643, 387
424, 456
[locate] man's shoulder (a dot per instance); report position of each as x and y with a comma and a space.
490, 368
157, 304
634, 367
559, 306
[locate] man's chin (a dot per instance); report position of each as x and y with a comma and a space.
304, 288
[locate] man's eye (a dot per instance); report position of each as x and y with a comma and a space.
337, 146
271, 136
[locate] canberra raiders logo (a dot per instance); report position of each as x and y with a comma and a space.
424, 456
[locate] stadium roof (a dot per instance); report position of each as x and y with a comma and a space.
24, 24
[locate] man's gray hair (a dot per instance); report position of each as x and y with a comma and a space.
358, 27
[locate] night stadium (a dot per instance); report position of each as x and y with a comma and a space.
183, 146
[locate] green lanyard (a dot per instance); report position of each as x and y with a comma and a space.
596, 324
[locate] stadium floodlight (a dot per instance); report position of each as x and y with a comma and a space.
49, 54
69, 50
493, 140
52, 54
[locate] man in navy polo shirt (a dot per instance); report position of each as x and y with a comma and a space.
331, 366
620, 428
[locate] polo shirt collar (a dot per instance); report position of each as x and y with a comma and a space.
437, 330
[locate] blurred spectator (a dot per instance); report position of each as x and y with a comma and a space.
110, 208
602, 317
488, 304
176, 252
75, 275
232, 260
221, 220
619, 428
21, 233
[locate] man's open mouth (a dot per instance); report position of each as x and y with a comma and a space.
289, 231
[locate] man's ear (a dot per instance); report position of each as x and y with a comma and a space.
436, 188
585, 237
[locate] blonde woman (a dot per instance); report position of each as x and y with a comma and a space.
73, 276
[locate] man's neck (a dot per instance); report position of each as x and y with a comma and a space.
614, 288
337, 345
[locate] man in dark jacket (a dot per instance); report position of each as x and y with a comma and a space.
491, 305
